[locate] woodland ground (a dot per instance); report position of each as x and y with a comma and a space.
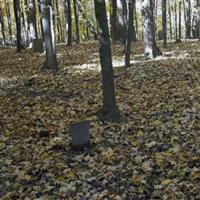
153, 154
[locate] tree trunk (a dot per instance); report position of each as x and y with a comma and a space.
76, 21
129, 35
59, 24
188, 22
40, 14
164, 21
134, 36
170, 19
119, 20
68, 22
49, 36
136, 20
109, 102
2, 26
179, 24
175, 14
151, 49
32, 20
24, 22
17, 13
7, 5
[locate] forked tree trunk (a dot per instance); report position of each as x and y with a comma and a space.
109, 102
151, 49
49, 37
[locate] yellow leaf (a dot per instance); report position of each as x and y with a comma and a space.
147, 166
24, 176
2, 146
140, 133
108, 154
166, 182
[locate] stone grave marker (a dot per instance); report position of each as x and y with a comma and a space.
38, 45
80, 135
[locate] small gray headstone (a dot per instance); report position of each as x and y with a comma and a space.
38, 45
80, 135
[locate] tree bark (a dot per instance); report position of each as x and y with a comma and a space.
170, 19
129, 35
151, 49
164, 22
17, 14
7, 5
49, 37
76, 21
187, 11
32, 20
119, 20
179, 24
59, 24
109, 102
175, 14
2, 26
68, 22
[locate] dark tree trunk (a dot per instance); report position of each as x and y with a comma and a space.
49, 36
109, 102
2, 26
114, 19
151, 49
40, 13
164, 22
129, 35
170, 19
17, 13
76, 21
188, 19
68, 22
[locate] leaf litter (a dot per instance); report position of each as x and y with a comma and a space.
153, 154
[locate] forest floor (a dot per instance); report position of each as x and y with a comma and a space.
153, 154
